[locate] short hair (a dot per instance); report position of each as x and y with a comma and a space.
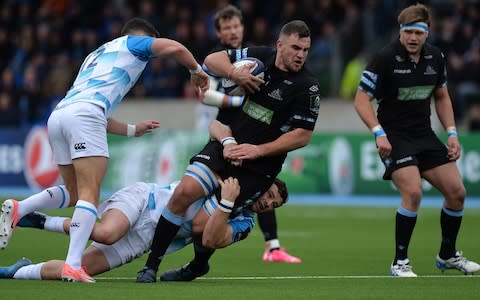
227, 13
414, 13
295, 27
282, 189
139, 24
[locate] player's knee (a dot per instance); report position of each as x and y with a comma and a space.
105, 235
414, 196
456, 196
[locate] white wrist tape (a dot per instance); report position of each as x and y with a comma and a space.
198, 70
228, 140
213, 98
226, 205
131, 129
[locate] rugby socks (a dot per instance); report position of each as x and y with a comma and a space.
450, 221
29, 272
83, 220
268, 225
51, 198
404, 224
55, 224
202, 256
166, 229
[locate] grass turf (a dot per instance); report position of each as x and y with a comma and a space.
346, 254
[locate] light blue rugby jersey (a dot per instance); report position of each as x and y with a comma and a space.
109, 72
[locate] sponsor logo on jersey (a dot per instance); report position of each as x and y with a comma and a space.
429, 71
40, 170
428, 56
415, 93
402, 71
287, 82
314, 88
315, 103
258, 112
399, 58
276, 94
203, 156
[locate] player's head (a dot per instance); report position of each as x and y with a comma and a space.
276, 196
293, 45
229, 26
414, 23
138, 26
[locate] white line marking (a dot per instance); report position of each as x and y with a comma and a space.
305, 277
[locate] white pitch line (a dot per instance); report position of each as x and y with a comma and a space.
305, 277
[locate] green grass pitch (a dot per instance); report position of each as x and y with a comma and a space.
346, 254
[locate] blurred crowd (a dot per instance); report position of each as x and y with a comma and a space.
43, 43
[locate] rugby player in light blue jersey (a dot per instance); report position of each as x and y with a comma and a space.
128, 221
78, 127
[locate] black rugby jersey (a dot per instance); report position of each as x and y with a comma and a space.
286, 101
404, 88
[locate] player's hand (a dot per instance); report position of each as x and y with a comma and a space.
384, 147
454, 148
230, 188
201, 83
244, 151
146, 126
242, 76
227, 155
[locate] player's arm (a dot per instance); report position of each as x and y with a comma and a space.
177, 51
218, 232
297, 138
116, 127
443, 106
219, 64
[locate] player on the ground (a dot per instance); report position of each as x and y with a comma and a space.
128, 220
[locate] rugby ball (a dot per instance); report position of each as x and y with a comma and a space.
231, 87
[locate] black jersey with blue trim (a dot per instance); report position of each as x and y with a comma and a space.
404, 88
287, 100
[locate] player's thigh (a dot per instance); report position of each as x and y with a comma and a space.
188, 191
112, 227
446, 178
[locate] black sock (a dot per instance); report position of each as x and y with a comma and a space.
164, 234
450, 226
202, 256
403, 232
268, 225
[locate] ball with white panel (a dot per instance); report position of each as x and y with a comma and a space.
258, 69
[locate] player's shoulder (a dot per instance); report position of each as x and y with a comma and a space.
304, 78
434, 51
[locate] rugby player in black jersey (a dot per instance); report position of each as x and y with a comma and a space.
403, 77
229, 30
279, 116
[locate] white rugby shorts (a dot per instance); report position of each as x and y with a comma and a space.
77, 130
